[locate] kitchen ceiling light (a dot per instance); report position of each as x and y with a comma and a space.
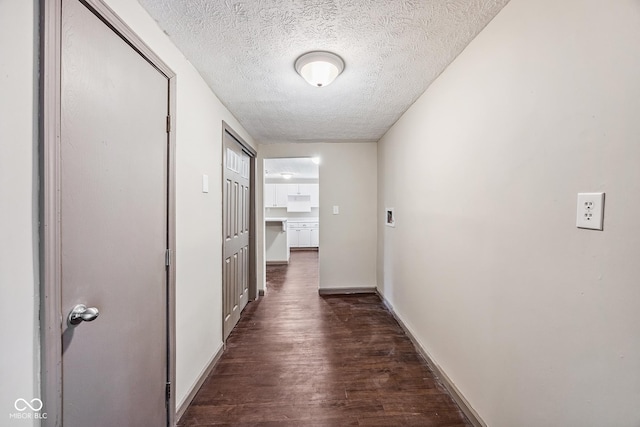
319, 68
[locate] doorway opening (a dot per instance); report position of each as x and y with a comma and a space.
291, 213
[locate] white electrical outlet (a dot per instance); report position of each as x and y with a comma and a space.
590, 210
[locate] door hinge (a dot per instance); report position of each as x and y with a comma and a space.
167, 390
167, 258
168, 124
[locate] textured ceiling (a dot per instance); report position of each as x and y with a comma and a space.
392, 49
301, 168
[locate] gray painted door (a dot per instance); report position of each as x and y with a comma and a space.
113, 174
236, 193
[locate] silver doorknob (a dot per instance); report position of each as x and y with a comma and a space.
80, 313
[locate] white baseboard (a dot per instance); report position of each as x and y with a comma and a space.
346, 291
459, 398
184, 404
277, 262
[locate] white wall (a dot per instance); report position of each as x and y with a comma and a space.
198, 216
19, 359
348, 240
534, 320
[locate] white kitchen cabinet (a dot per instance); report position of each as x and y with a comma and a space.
278, 195
312, 190
281, 196
299, 238
299, 203
301, 189
305, 188
297, 189
293, 236
315, 195
304, 238
275, 195
293, 189
269, 195
303, 234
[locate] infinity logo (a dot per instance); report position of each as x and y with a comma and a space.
22, 405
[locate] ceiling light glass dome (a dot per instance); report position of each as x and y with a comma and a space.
319, 68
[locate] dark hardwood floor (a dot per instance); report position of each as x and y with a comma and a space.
298, 359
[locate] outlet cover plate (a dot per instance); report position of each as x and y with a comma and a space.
590, 211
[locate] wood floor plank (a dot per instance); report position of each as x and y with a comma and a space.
299, 359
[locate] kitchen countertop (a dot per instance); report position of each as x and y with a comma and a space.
303, 219
276, 219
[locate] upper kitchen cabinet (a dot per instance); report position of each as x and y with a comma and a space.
281, 195
276, 195
315, 195
311, 190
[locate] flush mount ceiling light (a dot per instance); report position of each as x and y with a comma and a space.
286, 175
316, 160
319, 68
